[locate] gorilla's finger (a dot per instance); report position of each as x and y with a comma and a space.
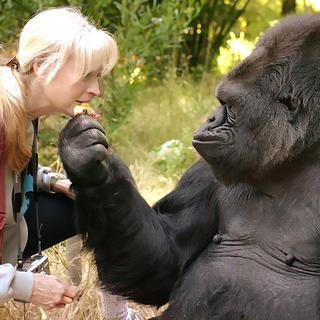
91, 137
79, 124
82, 161
104, 166
85, 158
99, 152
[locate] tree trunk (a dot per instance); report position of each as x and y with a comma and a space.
62, 3
221, 33
288, 6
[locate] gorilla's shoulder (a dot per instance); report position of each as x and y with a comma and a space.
200, 171
198, 182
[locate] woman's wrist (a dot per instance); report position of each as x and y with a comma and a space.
53, 178
47, 179
63, 186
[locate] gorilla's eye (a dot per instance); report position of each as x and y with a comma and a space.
230, 114
221, 101
292, 103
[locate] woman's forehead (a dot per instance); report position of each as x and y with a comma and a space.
91, 60
89, 65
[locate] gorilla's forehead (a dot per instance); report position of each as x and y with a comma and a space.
286, 37
252, 65
282, 45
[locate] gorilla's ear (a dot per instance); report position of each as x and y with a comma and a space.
293, 104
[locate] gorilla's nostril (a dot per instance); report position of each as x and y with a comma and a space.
211, 118
209, 129
219, 117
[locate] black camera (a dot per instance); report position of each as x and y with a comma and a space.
37, 264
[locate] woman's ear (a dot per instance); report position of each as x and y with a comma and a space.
37, 66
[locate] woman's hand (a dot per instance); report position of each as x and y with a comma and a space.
63, 186
50, 292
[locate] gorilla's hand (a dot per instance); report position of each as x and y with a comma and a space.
83, 151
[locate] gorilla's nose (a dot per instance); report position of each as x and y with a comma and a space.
219, 118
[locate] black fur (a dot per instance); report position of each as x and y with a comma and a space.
239, 237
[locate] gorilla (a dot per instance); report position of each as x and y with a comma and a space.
239, 236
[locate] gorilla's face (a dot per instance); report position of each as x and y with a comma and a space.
269, 102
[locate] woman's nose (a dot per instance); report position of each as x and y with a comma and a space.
94, 88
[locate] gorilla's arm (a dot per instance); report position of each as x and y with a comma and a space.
139, 251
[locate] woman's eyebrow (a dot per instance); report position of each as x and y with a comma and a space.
99, 70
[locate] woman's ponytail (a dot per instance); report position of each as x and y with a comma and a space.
13, 119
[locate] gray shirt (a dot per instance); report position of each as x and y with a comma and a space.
16, 284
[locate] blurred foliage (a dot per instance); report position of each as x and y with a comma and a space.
171, 53
157, 37
170, 157
159, 114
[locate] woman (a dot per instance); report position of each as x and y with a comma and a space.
60, 57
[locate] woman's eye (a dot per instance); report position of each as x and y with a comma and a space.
91, 75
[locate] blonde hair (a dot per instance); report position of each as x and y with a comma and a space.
54, 36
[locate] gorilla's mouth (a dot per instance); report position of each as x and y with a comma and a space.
218, 135
215, 134
216, 130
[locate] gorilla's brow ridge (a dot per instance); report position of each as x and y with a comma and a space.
252, 63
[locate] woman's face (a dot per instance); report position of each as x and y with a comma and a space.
62, 94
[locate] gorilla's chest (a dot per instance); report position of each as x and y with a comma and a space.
262, 264
286, 227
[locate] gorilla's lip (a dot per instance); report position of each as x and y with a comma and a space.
208, 142
207, 137
207, 149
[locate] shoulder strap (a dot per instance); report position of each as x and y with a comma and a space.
19, 193
2, 194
